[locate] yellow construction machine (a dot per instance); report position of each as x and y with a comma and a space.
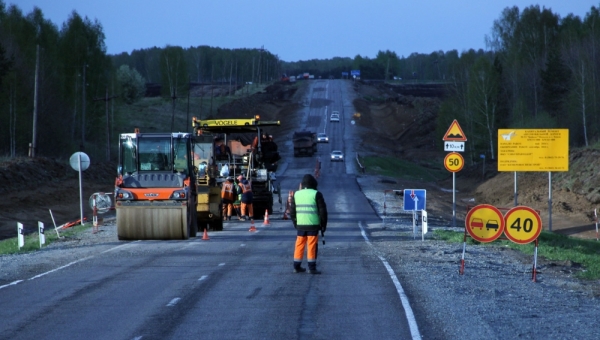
168, 185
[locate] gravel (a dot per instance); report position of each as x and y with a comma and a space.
495, 298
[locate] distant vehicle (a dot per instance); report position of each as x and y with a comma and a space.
311, 76
335, 117
322, 138
305, 75
337, 156
292, 79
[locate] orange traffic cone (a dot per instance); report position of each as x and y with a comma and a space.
266, 221
252, 227
205, 236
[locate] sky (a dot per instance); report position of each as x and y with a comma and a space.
300, 29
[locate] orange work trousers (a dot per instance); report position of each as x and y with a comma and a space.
247, 210
302, 239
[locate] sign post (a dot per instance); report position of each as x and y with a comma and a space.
80, 162
534, 150
454, 140
414, 199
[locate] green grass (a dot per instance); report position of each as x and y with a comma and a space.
398, 168
32, 241
551, 246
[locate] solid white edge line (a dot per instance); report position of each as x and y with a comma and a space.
410, 317
61, 267
11, 284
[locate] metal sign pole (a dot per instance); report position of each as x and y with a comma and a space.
549, 201
80, 190
454, 200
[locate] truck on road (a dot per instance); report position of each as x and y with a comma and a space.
305, 143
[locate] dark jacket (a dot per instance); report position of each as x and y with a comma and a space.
309, 182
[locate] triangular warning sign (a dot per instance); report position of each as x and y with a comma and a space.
455, 133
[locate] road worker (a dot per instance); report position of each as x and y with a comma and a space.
227, 198
309, 215
247, 197
237, 205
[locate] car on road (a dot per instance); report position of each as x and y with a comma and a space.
337, 156
322, 138
335, 117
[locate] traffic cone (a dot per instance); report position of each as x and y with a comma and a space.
266, 221
205, 236
252, 227
285, 217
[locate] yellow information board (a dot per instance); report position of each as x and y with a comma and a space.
533, 150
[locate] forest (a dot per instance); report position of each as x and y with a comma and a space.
60, 91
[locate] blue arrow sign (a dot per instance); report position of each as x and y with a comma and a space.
414, 199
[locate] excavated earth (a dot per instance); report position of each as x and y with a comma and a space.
392, 124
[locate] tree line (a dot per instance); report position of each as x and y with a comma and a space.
538, 71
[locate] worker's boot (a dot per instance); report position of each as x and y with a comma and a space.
298, 267
312, 269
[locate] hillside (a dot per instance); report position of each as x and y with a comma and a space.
396, 125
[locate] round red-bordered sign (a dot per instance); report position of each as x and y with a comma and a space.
484, 223
523, 225
454, 162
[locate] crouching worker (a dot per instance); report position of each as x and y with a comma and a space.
309, 215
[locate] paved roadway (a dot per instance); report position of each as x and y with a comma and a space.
239, 284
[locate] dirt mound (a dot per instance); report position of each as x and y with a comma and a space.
404, 126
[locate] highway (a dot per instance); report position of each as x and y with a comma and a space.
238, 284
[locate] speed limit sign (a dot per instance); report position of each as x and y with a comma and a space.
454, 162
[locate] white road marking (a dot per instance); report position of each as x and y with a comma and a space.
410, 317
221, 264
63, 267
203, 277
11, 284
173, 302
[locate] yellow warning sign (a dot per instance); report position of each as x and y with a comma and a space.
455, 133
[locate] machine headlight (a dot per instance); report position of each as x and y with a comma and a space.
179, 195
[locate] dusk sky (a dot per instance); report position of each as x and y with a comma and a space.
297, 30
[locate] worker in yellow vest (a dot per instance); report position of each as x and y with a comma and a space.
309, 214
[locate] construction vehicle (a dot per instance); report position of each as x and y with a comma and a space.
169, 184
250, 151
305, 143
155, 189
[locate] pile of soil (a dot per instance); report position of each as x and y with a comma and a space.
391, 124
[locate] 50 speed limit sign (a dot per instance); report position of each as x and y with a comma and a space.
523, 225
454, 162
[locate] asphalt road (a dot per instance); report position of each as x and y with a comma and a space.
239, 284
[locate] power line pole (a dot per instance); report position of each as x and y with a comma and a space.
33, 145
82, 147
106, 99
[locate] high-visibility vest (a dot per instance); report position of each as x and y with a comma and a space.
227, 191
306, 207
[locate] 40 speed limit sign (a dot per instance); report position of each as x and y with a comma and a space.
523, 225
454, 162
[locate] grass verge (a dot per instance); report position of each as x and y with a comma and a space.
551, 246
394, 167
32, 241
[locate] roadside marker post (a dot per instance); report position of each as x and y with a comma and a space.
41, 231
20, 235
